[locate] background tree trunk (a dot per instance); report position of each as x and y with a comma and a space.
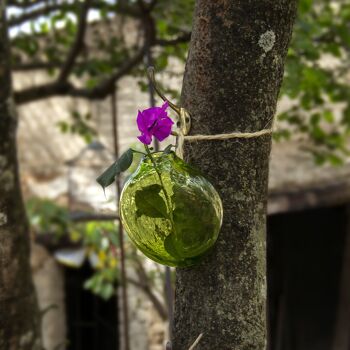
233, 76
19, 317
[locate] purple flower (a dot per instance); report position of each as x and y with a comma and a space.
154, 121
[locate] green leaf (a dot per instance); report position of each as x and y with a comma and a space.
335, 160
149, 202
107, 291
122, 164
305, 5
346, 116
328, 116
125, 160
108, 176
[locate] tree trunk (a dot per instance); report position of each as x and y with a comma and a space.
19, 317
232, 79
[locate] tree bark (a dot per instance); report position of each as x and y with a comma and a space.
232, 80
19, 316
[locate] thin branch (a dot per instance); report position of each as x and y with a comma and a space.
169, 345
43, 91
48, 9
85, 217
196, 342
52, 242
147, 8
106, 86
64, 88
152, 5
25, 4
153, 298
145, 285
78, 42
184, 38
149, 27
142, 5
35, 66
42, 11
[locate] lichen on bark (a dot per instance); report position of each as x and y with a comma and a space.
229, 87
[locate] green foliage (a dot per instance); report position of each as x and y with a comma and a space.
321, 35
121, 165
78, 125
100, 240
102, 283
47, 217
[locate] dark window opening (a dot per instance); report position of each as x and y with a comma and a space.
92, 322
305, 252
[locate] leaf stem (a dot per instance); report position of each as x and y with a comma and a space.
168, 202
139, 152
149, 154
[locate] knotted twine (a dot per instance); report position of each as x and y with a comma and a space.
181, 138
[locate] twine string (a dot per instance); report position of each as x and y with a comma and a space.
181, 138
185, 124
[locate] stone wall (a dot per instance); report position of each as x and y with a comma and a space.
49, 284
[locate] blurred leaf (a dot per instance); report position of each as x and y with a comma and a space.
321, 35
122, 164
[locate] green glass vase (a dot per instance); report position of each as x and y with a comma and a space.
170, 211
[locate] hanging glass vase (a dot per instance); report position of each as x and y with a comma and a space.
170, 211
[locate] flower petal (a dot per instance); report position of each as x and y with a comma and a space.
163, 128
165, 105
141, 122
154, 121
145, 138
145, 119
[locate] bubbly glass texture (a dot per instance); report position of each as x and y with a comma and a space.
173, 215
